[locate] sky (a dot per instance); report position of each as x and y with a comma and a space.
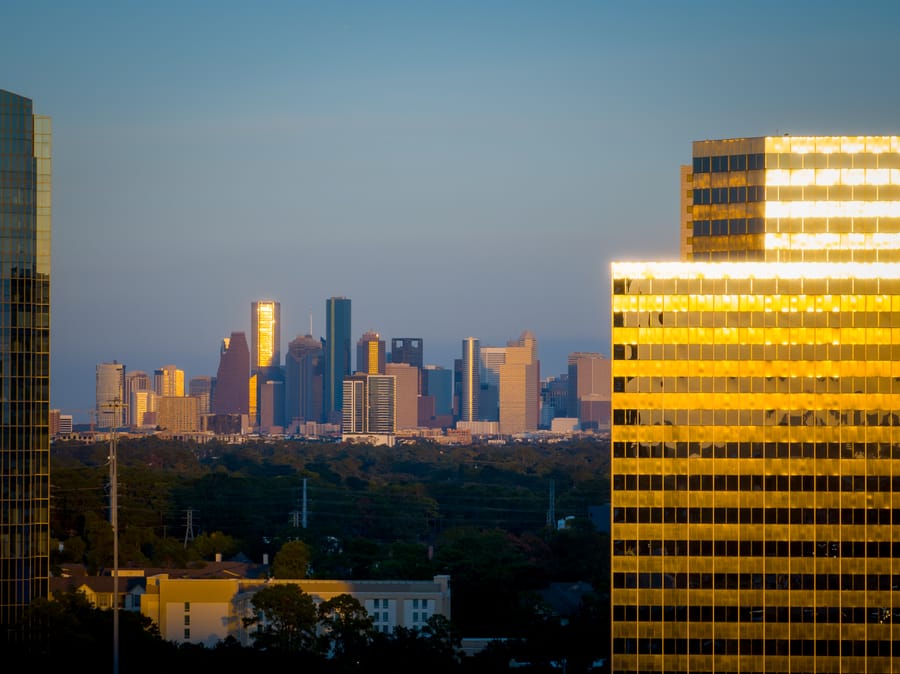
456, 168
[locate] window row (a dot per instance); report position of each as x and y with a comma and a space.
705, 196
824, 582
761, 318
785, 647
734, 162
758, 418
729, 226
743, 384
757, 450
704, 351
756, 482
824, 516
694, 285
880, 615
729, 255
752, 548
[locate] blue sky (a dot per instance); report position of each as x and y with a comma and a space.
455, 168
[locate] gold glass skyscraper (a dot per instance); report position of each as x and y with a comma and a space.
755, 396
265, 335
25, 213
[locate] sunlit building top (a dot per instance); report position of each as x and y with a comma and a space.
793, 198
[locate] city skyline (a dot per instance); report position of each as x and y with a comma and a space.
464, 169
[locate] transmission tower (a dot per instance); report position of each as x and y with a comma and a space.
189, 527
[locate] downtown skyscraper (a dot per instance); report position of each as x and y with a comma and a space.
470, 382
337, 355
232, 394
756, 393
25, 218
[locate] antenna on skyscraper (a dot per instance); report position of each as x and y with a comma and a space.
310, 324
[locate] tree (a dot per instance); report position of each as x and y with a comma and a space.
286, 617
347, 628
291, 561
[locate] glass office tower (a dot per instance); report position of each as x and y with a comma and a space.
25, 212
337, 355
265, 335
754, 404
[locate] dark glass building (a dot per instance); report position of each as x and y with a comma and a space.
233, 376
337, 355
407, 350
304, 369
25, 215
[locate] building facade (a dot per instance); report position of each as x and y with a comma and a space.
232, 395
370, 353
337, 354
207, 611
520, 386
110, 395
589, 389
406, 394
135, 381
201, 387
756, 389
25, 218
371, 406
470, 379
265, 335
168, 381
304, 370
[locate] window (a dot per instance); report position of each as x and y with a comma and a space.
187, 634
187, 620
187, 606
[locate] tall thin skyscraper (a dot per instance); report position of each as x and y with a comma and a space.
470, 380
370, 354
265, 335
25, 374
110, 395
233, 376
337, 355
520, 386
135, 382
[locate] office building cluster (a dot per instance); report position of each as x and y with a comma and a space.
316, 389
755, 395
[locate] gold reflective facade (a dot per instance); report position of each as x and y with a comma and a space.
793, 199
756, 425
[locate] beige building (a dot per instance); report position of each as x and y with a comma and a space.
520, 386
178, 414
206, 611
406, 396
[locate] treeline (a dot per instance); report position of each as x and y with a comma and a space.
483, 514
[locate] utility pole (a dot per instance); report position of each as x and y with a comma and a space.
115, 405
